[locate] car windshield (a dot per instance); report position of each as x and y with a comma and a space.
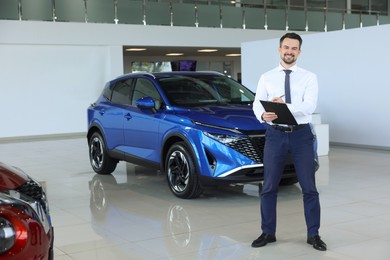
204, 90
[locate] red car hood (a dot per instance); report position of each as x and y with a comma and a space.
11, 177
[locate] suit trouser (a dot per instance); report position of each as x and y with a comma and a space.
277, 145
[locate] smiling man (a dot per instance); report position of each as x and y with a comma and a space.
298, 88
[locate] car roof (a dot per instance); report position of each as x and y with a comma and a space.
186, 73
170, 74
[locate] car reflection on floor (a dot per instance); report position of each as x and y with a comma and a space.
142, 210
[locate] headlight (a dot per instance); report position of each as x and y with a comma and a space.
13, 229
7, 235
222, 138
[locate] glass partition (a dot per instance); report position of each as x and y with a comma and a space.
299, 15
297, 20
316, 21
184, 15
100, 11
70, 10
369, 20
384, 19
276, 19
254, 18
158, 13
209, 16
233, 17
9, 10
335, 21
37, 10
130, 12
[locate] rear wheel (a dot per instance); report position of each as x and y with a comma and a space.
181, 171
100, 161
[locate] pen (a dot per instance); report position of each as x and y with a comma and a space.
281, 96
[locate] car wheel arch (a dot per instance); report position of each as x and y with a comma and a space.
182, 171
93, 129
99, 151
170, 140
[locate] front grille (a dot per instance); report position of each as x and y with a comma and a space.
34, 191
251, 146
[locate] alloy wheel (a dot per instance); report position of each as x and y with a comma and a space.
178, 171
96, 152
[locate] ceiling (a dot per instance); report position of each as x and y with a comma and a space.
187, 51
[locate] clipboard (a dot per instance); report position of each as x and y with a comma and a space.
284, 114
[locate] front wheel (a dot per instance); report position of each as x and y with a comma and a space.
182, 175
100, 161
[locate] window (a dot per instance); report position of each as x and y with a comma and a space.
204, 90
121, 92
145, 88
107, 92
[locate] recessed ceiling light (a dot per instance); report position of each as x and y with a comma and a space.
233, 55
174, 54
208, 50
136, 49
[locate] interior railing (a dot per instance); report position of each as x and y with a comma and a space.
246, 14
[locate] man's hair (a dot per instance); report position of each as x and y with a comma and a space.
291, 36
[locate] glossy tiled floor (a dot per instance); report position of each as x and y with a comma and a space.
133, 215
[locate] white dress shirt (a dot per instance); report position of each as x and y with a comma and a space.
304, 92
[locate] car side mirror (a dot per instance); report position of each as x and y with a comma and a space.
146, 103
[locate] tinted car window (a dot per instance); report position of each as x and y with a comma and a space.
107, 92
121, 92
145, 88
201, 90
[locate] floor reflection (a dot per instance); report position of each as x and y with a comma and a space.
139, 207
133, 215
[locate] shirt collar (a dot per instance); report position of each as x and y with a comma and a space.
293, 68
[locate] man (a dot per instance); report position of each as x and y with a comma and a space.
283, 139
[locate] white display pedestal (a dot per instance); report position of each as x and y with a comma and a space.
322, 132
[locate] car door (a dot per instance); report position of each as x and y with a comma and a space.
115, 114
141, 125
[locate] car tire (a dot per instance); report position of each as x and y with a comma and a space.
100, 161
181, 172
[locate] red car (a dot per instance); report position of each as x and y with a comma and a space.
26, 231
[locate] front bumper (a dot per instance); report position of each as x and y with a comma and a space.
240, 160
26, 211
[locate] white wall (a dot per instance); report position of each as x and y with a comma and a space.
50, 72
46, 89
352, 68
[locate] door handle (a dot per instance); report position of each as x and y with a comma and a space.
128, 116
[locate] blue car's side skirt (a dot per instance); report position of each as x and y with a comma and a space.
134, 159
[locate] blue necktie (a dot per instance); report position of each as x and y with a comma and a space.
287, 86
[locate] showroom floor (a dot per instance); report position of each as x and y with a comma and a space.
133, 215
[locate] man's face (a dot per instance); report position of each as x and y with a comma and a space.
289, 51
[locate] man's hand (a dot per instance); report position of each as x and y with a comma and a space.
278, 99
269, 116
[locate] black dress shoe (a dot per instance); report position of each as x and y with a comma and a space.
263, 240
317, 243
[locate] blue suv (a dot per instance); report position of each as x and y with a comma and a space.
198, 128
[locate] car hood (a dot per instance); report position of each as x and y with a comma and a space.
11, 177
239, 117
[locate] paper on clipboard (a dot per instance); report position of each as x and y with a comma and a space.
285, 116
